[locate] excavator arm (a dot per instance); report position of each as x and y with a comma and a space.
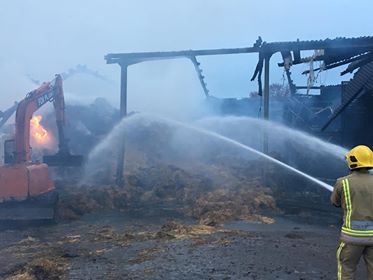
4, 116
63, 157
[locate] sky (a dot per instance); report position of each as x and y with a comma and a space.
40, 38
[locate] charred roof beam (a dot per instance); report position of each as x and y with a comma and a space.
335, 44
199, 75
364, 59
133, 58
288, 62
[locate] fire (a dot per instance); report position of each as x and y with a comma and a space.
38, 133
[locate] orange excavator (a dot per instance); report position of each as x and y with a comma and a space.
26, 190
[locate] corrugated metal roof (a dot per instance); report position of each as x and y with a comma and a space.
362, 80
338, 42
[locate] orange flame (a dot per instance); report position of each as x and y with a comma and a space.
38, 133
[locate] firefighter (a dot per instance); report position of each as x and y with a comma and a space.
354, 193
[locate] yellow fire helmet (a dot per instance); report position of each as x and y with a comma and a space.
360, 157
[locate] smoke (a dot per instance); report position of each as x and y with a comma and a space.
78, 69
40, 39
14, 84
83, 69
168, 88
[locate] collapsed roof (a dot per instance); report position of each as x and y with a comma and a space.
353, 52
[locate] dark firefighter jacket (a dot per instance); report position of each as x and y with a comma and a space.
354, 193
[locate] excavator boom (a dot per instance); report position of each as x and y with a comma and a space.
4, 116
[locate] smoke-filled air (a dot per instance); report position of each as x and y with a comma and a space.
186, 139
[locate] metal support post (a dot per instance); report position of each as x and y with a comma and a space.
266, 100
266, 170
123, 113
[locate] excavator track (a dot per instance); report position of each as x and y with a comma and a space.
39, 208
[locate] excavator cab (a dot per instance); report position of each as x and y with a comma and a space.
9, 151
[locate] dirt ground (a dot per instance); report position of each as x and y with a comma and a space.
161, 243
178, 225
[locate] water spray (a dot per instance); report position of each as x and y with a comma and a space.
238, 144
118, 130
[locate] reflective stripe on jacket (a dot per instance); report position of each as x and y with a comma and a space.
354, 193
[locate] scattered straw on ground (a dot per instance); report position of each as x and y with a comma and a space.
174, 230
41, 269
223, 205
